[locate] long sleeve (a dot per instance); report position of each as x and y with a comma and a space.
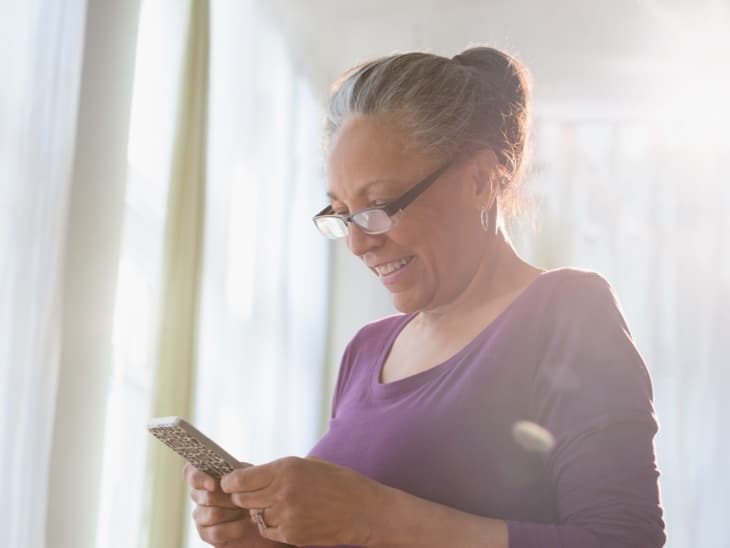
592, 392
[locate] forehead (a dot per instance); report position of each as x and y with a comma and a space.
369, 151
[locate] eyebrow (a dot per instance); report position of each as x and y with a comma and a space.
332, 196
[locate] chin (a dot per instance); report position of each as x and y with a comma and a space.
405, 305
404, 309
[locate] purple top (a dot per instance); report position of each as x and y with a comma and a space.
561, 357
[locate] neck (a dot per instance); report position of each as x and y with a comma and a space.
501, 273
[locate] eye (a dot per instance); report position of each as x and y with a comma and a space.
379, 202
337, 209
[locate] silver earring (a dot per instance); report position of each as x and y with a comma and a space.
484, 218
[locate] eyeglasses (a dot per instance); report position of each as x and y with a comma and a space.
373, 220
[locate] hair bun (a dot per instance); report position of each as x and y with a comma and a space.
491, 62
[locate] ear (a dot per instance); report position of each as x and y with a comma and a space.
485, 178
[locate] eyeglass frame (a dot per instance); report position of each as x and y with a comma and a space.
391, 208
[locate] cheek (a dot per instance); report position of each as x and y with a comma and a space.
441, 244
453, 246
444, 227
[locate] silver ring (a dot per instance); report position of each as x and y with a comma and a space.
257, 515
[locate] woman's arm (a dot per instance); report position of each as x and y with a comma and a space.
400, 519
606, 490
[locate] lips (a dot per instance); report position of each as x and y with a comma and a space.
387, 269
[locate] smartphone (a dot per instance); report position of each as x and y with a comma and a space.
190, 443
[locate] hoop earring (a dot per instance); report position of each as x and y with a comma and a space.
484, 218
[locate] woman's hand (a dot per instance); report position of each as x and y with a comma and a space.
218, 520
307, 501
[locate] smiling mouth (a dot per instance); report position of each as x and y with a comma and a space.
389, 268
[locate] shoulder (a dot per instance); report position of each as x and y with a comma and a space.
588, 354
568, 279
573, 294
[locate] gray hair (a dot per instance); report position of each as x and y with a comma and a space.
478, 99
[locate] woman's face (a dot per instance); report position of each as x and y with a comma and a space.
432, 253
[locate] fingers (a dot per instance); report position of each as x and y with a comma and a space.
257, 478
197, 479
202, 497
253, 478
207, 516
270, 516
217, 519
205, 490
221, 533
261, 486
250, 490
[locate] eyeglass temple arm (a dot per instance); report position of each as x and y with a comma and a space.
404, 200
414, 192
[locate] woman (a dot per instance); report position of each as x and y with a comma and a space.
506, 406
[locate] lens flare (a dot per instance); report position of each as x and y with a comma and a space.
533, 437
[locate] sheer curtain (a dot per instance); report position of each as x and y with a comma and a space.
261, 319
645, 201
124, 503
184, 226
40, 62
259, 388
64, 123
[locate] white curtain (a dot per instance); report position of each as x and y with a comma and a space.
264, 288
123, 508
258, 388
40, 63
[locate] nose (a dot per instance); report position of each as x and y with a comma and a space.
360, 242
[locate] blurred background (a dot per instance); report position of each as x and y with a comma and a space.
160, 161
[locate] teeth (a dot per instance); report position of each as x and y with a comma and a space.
385, 269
